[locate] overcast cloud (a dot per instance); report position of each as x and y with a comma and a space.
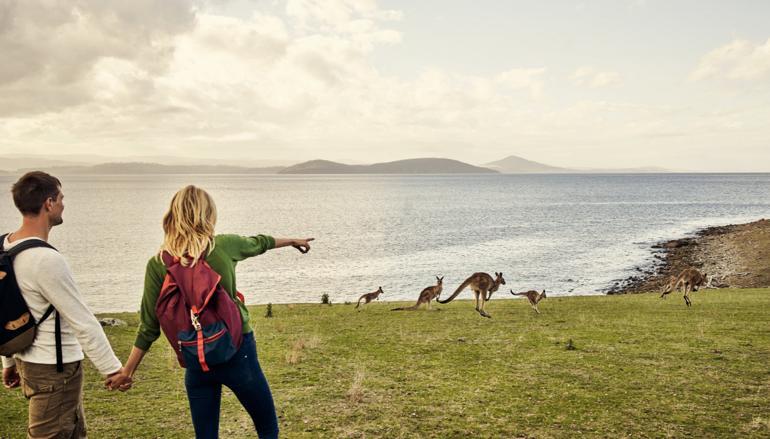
344, 80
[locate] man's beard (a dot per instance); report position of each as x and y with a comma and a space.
56, 221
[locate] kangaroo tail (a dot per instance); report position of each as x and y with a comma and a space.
359, 302
457, 291
518, 294
408, 308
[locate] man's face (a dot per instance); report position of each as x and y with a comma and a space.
55, 208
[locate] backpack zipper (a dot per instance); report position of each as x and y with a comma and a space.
205, 340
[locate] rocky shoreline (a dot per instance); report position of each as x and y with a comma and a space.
737, 256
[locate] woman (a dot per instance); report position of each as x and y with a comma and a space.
189, 235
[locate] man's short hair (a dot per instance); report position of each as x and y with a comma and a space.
32, 190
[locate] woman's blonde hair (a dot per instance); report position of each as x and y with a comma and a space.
189, 225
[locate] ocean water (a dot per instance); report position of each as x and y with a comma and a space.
568, 234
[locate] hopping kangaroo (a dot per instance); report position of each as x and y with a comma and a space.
690, 280
533, 296
483, 285
426, 296
368, 297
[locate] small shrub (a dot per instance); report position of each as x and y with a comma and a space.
325, 299
294, 355
269, 311
356, 391
570, 345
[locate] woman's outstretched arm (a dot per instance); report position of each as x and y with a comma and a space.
301, 244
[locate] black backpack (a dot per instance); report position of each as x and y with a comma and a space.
17, 326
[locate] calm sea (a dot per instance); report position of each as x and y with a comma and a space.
568, 234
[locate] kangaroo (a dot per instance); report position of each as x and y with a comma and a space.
533, 297
426, 296
483, 285
689, 279
368, 297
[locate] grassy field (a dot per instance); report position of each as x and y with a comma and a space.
609, 366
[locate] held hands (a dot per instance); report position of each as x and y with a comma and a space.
11, 377
119, 380
303, 245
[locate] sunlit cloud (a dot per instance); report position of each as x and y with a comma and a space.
739, 60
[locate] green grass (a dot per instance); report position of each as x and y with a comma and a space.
640, 367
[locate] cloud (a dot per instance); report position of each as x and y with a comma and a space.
739, 60
347, 16
530, 79
590, 77
263, 83
51, 50
131, 79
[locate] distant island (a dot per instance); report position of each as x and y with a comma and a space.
15, 164
517, 165
154, 168
409, 166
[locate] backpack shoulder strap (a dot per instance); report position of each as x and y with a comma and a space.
46, 314
26, 245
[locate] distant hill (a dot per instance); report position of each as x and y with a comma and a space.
27, 161
409, 166
428, 166
154, 168
323, 167
517, 165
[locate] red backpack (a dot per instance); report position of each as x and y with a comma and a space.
200, 320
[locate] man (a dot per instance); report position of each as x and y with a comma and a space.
44, 278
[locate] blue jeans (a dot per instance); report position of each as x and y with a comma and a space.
244, 377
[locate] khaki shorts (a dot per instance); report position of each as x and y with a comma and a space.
55, 400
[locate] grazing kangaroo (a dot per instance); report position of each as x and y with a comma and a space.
689, 279
426, 296
533, 297
483, 285
368, 297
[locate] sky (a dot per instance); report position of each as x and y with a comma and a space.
591, 84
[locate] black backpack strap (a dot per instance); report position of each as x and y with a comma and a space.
26, 245
57, 336
46, 314
2, 241
59, 355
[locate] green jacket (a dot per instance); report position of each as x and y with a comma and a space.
228, 251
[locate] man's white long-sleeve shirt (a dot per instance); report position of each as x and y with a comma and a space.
45, 279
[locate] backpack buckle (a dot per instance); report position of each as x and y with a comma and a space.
194, 318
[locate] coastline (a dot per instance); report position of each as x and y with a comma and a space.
736, 255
